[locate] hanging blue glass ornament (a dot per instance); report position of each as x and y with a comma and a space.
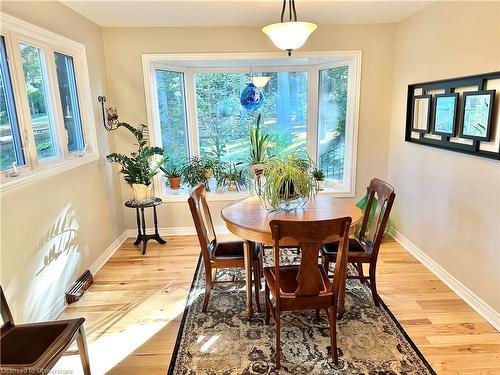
252, 97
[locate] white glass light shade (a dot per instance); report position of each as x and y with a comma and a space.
289, 35
260, 81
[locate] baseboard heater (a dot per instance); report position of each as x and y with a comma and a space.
79, 287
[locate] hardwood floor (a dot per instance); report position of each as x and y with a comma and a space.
134, 308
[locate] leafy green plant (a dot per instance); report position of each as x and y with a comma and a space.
171, 171
259, 144
287, 178
197, 171
137, 168
318, 174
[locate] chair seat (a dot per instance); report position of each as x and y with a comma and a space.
37, 344
232, 250
356, 249
289, 284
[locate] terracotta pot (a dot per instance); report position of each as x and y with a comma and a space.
174, 182
141, 192
233, 186
209, 172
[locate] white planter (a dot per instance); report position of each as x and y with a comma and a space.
320, 185
141, 192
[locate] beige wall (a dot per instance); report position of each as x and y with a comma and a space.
448, 204
53, 230
124, 47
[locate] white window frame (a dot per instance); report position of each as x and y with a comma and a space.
17, 31
352, 59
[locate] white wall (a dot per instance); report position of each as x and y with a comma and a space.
124, 47
448, 204
53, 230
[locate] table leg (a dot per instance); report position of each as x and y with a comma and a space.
138, 240
145, 240
157, 235
247, 252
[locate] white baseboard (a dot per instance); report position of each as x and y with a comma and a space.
481, 307
177, 231
101, 261
57, 309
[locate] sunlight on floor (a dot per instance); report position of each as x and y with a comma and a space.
126, 334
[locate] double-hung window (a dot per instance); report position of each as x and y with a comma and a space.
310, 104
46, 120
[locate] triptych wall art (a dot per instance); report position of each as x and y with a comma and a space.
459, 114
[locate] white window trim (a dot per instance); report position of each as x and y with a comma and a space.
150, 62
15, 31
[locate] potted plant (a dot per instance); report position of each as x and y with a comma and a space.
198, 171
319, 176
259, 147
288, 182
138, 168
174, 176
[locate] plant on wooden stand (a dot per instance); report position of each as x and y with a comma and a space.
288, 182
138, 168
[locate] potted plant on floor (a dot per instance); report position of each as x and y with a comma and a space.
198, 171
173, 175
258, 153
138, 168
319, 176
288, 182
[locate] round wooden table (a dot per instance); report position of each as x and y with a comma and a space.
249, 220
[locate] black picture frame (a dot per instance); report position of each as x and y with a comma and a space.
428, 121
436, 112
487, 133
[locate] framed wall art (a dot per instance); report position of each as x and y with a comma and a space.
445, 114
457, 114
476, 114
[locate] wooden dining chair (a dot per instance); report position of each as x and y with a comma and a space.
365, 247
34, 348
217, 254
306, 286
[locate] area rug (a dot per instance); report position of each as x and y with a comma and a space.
223, 341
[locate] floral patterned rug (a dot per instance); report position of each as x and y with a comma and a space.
224, 341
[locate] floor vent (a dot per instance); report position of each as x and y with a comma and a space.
79, 287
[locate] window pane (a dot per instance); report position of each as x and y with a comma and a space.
69, 101
36, 90
172, 111
10, 140
224, 124
332, 121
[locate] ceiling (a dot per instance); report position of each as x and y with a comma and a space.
116, 13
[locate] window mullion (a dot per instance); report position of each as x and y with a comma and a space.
192, 118
55, 102
312, 113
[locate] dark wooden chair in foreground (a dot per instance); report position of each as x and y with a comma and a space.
34, 348
365, 248
218, 254
306, 286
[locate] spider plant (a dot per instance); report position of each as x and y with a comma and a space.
288, 181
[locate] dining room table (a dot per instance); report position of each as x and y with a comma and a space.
249, 219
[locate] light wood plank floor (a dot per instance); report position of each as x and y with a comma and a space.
134, 308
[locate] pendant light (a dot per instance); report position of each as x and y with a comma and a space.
292, 34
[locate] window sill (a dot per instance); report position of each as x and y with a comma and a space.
181, 195
26, 178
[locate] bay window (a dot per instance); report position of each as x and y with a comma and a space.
311, 104
46, 118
